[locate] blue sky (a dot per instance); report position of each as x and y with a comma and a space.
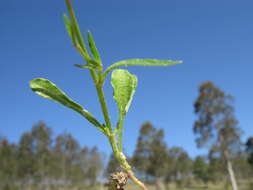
213, 38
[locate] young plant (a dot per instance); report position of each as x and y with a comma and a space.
124, 85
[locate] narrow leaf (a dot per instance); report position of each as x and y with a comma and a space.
91, 64
124, 85
93, 48
146, 62
76, 30
141, 62
84, 66
68, 27
49, 90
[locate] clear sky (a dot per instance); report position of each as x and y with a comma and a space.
213, 38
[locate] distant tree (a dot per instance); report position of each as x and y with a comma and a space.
79, 167
200, 169
216, 126
8, 164
158, 158
42, 143
142, 151
94, 165
66, 152
180, 166
249, 150
26, 160
150, 156
242, 166
217, 169
40, 161
76, 165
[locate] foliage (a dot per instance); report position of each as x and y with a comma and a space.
180, 166
70, 165
200, 169
40, 161
123, 83
8, 156
216, 126
151, 152
140, 157
242, 166
158, 155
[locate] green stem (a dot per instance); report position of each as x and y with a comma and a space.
137, 181
119, 130
101, 96
117, 149
123, 162
98, 79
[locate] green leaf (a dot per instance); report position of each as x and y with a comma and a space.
141, 62
84, 66
124, 85
49, 90
146, 62
76, 30
68, 27
93, 48
91, 64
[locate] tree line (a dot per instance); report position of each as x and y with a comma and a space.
160, 165
41, 161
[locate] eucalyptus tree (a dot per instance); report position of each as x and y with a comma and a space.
93, 165
8, 164
180, 165
26, 160
216, 126
42, 140
150, 156
200, 169
66, 151
158, 158
142, 151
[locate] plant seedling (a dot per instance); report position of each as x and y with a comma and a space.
124, 85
